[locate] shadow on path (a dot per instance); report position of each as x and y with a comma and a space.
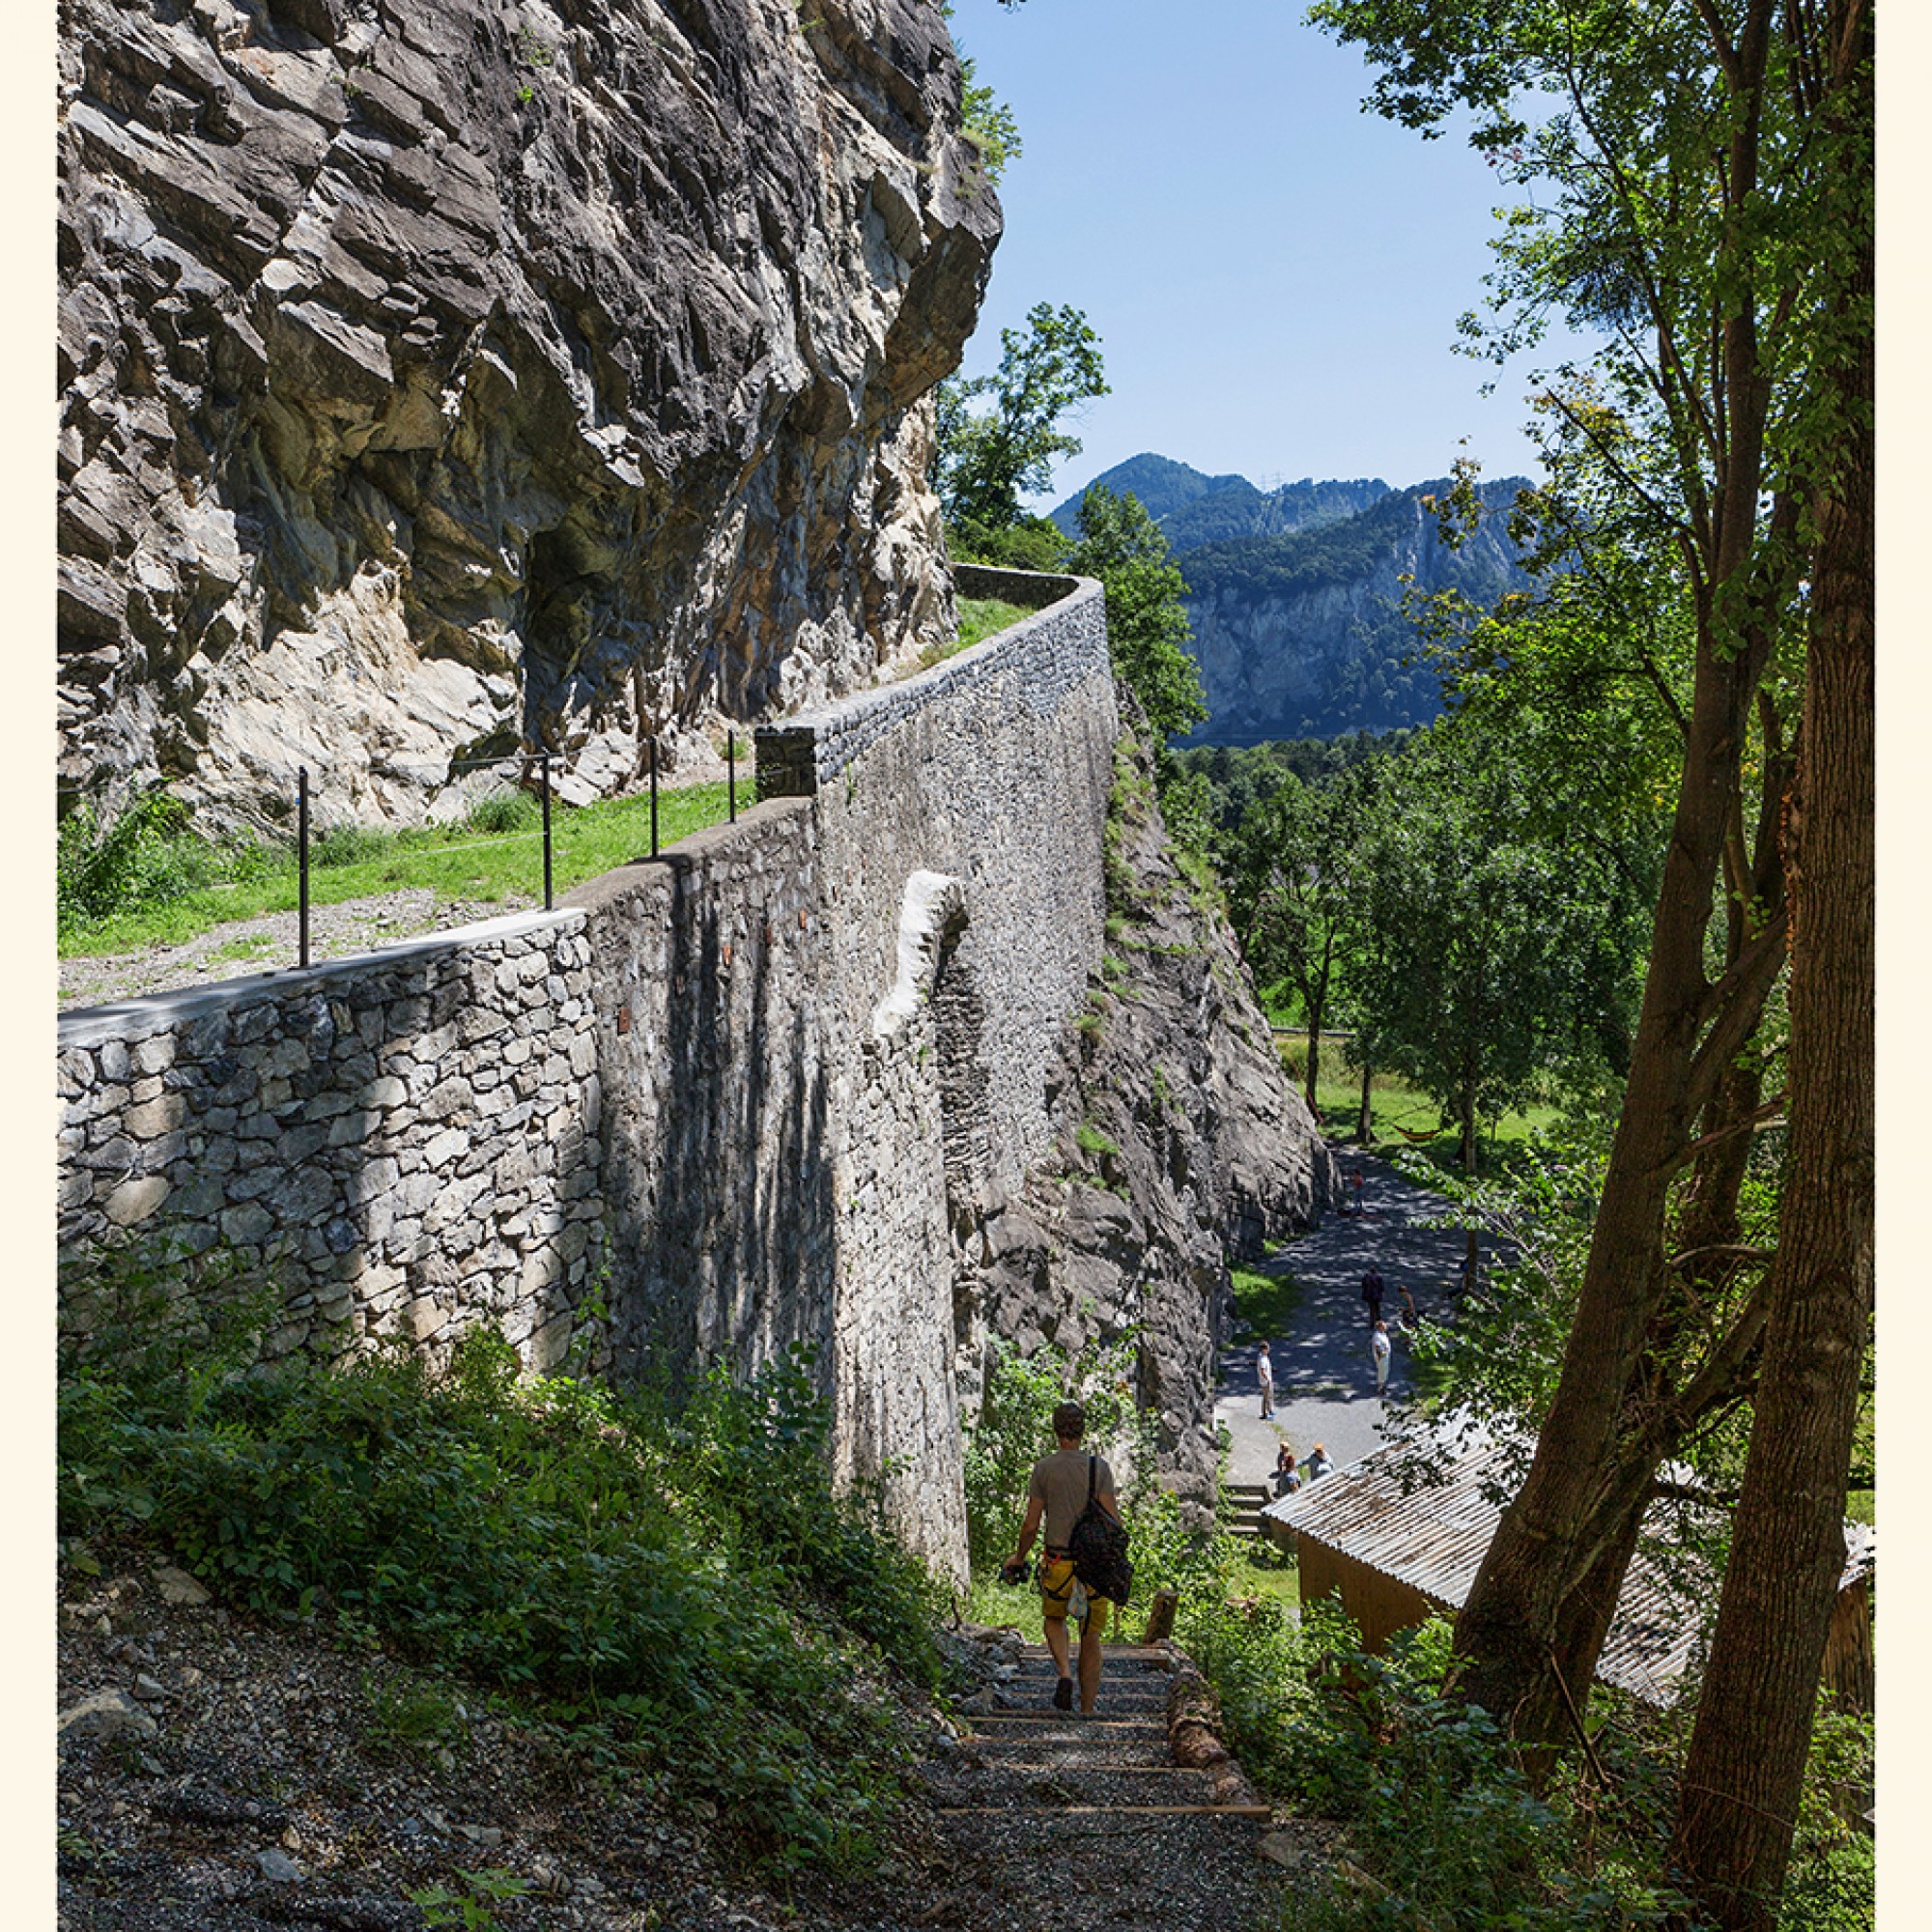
1325, 1378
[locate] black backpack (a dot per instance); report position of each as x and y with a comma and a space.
1098, 1547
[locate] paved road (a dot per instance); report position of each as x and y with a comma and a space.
1325, 1378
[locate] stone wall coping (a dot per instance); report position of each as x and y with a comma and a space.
139, 1019
907, 691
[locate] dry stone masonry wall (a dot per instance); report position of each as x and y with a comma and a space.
405, 1144
740, 1096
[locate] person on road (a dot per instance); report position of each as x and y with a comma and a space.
1356, 1184
1285, 1481
1265, 1375
1372, 1293
1056, 1494
1317, 1464
1379, 1347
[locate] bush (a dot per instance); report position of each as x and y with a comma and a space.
685, 1585
504, 811
1440, 1816
350, 845
148, 857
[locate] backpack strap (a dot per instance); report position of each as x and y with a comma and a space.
1093, 1469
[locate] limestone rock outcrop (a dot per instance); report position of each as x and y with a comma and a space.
1183, 1146
446, 381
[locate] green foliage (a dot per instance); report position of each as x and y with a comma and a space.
1503, 933
147, 858
682, 1583
411, 1717
501, 811
469, 1907
1440, 1817
988, 123
1147, 618
1242, 777
1030, 543
989, 459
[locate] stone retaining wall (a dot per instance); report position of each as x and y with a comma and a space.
406, 1142
752, 1092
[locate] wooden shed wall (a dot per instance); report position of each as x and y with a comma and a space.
1850, 1670
1378, 1606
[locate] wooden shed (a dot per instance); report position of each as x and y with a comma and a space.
1394, 1549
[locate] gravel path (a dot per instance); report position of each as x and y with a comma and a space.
1324, 1378
271, 943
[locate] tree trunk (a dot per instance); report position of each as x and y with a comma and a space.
1364, 1122
1611, 1421
1553, 1535
1744, 1772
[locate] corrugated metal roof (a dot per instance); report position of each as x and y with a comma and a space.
1434, 1539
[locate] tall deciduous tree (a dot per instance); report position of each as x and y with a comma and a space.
1296, 891
1747, 1759
990, 457
1681, 177
1147, 614
1503, 939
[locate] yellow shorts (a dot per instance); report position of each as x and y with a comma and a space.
1056, 1593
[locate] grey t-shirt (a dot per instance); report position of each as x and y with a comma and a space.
1060, 1482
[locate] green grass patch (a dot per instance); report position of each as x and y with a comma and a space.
674, 1583
1270, 1304
173, 886
979, 618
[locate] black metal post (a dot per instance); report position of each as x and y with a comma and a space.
301, 865
732, 772
544, 760
654, 795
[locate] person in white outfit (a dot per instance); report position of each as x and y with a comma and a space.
1265, 1375
1378, 1342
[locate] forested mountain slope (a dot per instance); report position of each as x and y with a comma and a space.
1295, 595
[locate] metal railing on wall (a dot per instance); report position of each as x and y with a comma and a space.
526, 774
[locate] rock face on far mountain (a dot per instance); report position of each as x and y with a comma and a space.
442, 381
1182, 1144
1295, 594
1303, 636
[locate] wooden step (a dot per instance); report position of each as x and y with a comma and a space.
1154, 1721
1105, 1810
1117, 1653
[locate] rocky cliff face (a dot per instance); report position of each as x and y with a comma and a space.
446, 380
1183, 1146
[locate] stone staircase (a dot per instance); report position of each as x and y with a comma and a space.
1120, 1760
1133, 1820
1246, 1500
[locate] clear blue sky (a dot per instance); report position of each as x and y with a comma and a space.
1275, 274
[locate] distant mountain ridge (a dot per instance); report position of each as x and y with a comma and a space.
1295, 593
1192, 508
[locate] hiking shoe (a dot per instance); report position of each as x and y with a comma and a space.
1063, 1694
